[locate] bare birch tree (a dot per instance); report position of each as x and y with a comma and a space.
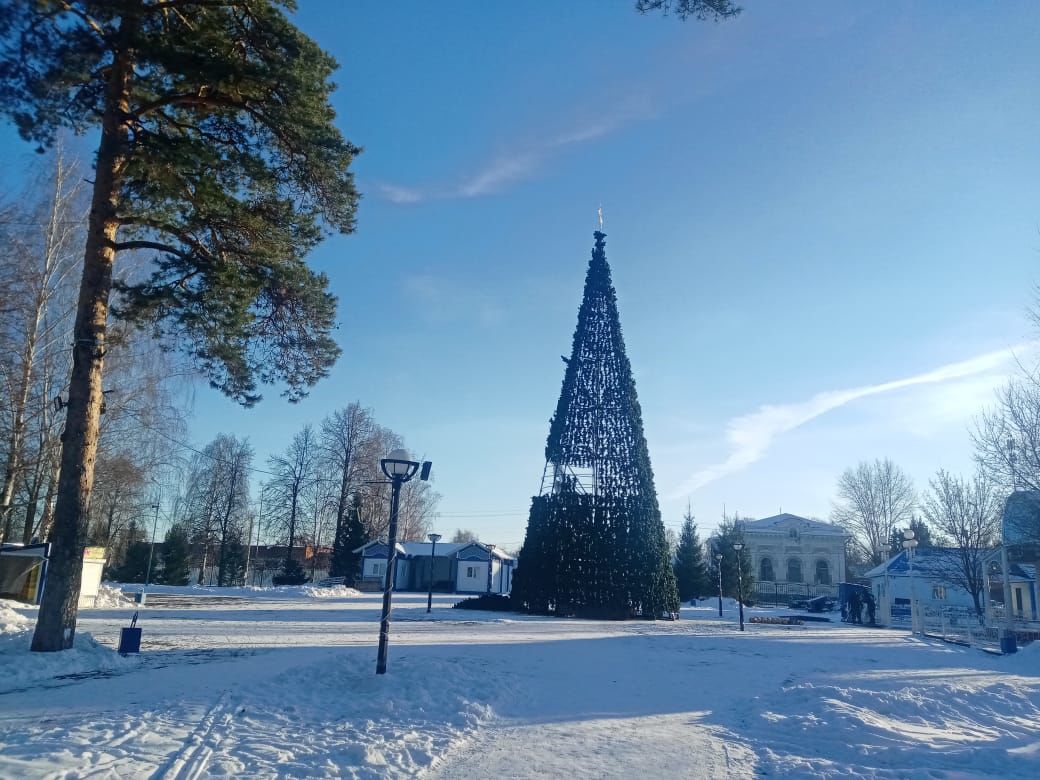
43, 245
295, 473
967, 513
873, 500
1007, 440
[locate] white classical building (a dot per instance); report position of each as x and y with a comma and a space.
795, 557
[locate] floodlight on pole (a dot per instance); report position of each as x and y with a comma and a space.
151, 547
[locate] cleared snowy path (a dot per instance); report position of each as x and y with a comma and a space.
282, 685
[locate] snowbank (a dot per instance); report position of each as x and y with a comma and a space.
333, 592
11, 622
240, 592
111, 598
23, 669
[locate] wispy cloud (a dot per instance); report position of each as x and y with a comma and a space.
750, 436
440, 301
524, 160
396, 194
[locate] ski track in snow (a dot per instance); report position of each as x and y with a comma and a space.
283, 686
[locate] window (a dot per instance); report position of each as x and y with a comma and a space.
378, 569
765, 570
939, 592
794, 570
471, 571
823, 573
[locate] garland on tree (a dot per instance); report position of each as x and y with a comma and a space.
595, 544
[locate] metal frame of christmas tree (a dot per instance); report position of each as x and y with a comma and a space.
595, 543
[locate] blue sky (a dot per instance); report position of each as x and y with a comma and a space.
822, 222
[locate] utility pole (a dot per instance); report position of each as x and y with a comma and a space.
249, 538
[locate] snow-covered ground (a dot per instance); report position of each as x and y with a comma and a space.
281, 683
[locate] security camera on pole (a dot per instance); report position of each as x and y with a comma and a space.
399, 468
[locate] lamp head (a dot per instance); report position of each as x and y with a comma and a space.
398, 465
434, 538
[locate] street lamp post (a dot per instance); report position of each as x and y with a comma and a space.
434, 538
910, 544
718, 565
738, 546
398, 468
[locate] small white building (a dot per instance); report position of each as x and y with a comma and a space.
795, 557
932, 584
456, 568
929, 582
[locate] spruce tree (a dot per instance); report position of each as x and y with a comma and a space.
176, 553
217, 154
691, 573
232, 559
135, 564
595, 544
350, 535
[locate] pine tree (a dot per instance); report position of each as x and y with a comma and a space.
135, 564
595, 543
176, 552
691, 573
350, 535
217, 153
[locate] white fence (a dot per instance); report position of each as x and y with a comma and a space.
961, 625
258, 576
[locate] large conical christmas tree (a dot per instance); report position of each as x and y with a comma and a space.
595, 544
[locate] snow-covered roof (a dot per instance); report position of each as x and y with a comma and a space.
444, 549
785, 522
498, 552
423, 549
937, 562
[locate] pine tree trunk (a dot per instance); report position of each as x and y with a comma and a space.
56, 624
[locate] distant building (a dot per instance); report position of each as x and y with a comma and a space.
794, 557
457, 568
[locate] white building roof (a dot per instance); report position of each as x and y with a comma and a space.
423, 549
444, 549
939, 562
783, 523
